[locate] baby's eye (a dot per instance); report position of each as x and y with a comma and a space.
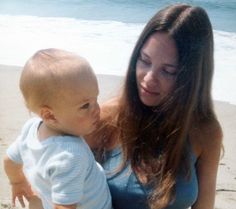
85, 106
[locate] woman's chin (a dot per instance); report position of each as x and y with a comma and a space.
150, 102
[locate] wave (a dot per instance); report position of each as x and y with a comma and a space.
106, 44
221, 13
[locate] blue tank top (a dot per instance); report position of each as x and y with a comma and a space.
128, 193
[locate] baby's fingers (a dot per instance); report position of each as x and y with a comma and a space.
13, 200
21, 200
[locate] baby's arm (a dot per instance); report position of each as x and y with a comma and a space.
56, 206
20, 186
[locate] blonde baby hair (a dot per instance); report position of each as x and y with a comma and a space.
47, 73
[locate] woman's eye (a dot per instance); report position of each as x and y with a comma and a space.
168, 72
85, 106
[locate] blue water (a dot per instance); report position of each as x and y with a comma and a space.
222, 12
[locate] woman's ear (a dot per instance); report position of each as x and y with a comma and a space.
47, 114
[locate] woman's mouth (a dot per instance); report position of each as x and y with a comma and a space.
148, 92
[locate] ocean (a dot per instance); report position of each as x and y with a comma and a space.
105, 32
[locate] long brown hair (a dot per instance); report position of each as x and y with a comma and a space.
154, 139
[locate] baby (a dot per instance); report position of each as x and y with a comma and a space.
50, 155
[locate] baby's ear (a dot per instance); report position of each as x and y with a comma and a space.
46, 113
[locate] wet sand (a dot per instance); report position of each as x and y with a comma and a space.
13, 114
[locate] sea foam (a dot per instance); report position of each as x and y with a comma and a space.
106, 44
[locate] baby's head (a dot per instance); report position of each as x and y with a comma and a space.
62, 89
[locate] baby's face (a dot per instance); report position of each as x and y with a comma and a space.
78, 111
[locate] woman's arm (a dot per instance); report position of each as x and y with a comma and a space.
210, 141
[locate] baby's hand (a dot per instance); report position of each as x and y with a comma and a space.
20, 191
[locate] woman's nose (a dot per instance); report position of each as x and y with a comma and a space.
150, 79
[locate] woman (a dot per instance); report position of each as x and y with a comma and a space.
160, 141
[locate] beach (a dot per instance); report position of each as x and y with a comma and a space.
13, 114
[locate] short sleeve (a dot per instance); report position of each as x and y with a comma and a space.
13, 151
67, 173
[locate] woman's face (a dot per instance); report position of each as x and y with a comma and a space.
156, 68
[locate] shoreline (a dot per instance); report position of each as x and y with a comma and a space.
13, 115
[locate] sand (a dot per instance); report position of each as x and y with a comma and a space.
13, 114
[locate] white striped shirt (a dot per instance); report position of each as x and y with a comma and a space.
61, 169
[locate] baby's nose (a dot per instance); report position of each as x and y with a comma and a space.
96, 110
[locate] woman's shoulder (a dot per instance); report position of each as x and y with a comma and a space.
103, 136
109, 106
206, 136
